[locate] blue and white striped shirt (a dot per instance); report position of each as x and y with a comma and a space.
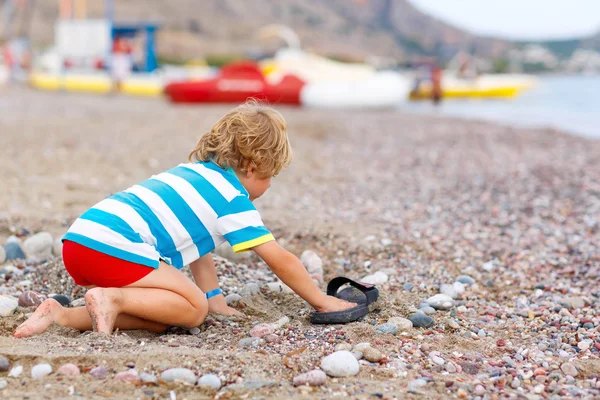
177, 216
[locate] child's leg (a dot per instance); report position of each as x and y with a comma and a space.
78, 318
163, 297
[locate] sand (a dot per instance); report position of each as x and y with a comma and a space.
424, 199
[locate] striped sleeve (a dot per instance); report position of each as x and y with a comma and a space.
241, 225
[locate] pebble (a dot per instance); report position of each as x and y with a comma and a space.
3, 384
271, 338
261, 330
469, 367
515, 383
232, 298
16, 371
340, 364
466, 280
387, 328
210, 380
415, 385
377, 278
14, 251
569, 369
402, 324
57, 247
131, 375
448, 290
4, 364
148, 378
573, 302
420, 320
8, 305
250, 289
428, 310
249, 342
281, 322
41, 370
451, 368
62, 299
179, 375
372, 354
39, 245
30, 299
275, 287
2, 254
343, 346
312, 262
584, 344
459, 287
479, 390
453, 324
99, 372
441, 302
68, 369
315, 377
435, 357
194, 331
357, 354
362, 346
408, 286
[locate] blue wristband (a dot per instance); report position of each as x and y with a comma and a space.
214, 293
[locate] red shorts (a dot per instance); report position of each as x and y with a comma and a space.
89, 267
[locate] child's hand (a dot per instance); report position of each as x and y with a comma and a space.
217, 305
334, 304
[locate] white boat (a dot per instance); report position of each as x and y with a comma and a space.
332, 84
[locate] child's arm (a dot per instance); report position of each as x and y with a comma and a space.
291, 271
205, 275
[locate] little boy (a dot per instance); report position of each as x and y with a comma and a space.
128, 249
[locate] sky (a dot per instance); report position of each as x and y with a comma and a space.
518, 19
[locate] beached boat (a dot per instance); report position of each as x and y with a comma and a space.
235, 83
484, 86
100, 82
332, 84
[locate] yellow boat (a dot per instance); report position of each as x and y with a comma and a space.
501, 86
137, 84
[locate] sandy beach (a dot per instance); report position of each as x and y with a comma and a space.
419, 200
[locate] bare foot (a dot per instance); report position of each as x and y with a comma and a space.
102, 305
48, 312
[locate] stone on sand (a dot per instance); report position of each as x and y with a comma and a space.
179, 375
41, 370
441, 302
8, 305
315, 377
210, 380
68, 369
39, 245
340, 364
312, 262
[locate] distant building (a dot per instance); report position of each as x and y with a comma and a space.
533, 57
583, 61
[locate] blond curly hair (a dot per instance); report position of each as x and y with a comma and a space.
251, 134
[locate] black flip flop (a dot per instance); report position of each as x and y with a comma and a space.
363, 294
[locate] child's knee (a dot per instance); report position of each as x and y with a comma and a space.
200, 313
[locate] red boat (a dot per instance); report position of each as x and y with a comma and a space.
235, 83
